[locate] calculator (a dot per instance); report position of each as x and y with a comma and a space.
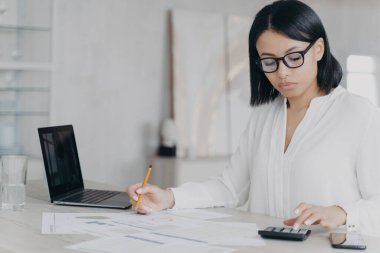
285, 233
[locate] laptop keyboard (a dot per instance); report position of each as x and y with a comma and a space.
91, 196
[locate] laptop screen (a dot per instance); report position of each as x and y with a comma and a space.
61, 160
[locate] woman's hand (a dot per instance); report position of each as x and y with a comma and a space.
328, 217
153, 199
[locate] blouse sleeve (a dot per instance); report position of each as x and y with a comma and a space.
364, 215
229, 189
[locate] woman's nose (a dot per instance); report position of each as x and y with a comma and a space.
283, 70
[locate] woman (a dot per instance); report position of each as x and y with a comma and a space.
311, 150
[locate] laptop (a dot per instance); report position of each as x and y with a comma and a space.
64, 175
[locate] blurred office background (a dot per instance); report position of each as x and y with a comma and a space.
116, 68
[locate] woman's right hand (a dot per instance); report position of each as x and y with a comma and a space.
153, 199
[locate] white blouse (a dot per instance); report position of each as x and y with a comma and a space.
332, 159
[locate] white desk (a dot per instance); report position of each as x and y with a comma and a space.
21, 231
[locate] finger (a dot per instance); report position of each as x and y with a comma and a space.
143, 205
132, 189
301, 219
146, 189
302, 207
145, 209
140, 210
143, 190
313, 219
289, 222
133, 199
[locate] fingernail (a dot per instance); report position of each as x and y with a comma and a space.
139, 191
307, 222
296, 226
135, 198
297, 212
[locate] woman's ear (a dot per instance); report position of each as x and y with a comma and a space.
319, 48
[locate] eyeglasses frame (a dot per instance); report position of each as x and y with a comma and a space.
258, 61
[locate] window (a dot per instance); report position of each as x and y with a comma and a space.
361, 77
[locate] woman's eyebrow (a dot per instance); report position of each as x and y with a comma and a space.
287, 51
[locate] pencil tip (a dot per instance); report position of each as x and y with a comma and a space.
150, 166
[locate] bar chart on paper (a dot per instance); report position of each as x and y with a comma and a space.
189, 230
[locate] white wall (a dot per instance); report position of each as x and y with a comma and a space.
111, 78
111, 71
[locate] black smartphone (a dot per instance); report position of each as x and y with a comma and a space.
347, 241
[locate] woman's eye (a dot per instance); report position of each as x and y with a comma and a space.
269, 62
296, 58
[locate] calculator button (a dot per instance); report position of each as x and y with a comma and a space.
285, 233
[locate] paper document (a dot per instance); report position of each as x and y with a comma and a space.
53, 223
186, 230
157, 221
199, 214
135, 244
223, 233
112, 224
97, 224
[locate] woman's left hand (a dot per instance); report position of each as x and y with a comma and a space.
328, 217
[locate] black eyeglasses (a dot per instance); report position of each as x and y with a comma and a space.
292, 60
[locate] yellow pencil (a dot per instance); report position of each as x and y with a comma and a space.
143, 185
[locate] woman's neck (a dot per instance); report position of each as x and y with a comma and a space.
303, 101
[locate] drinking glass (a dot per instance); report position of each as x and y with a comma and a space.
13, 180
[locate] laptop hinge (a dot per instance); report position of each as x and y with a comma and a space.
68, 194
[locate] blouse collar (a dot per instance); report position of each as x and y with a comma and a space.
321, 99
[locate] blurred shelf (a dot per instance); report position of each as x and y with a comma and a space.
25, 66
26, 27
25, 89
25, 72
10, 150
15, 113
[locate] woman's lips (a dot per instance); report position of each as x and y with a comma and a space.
287, 86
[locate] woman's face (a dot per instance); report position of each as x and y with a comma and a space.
291, 82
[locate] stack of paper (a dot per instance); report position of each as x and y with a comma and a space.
181, 231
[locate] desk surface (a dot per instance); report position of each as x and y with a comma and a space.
21, 231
